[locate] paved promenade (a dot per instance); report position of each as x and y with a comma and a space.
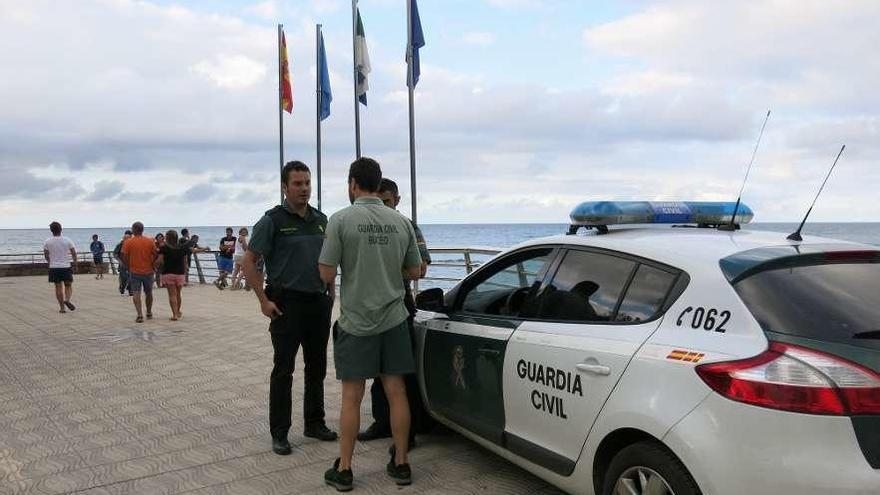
92, 402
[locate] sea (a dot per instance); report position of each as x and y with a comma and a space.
25, 245
21, 241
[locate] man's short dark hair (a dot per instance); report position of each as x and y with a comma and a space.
55, 227
137, 228
293, 166
184, 231
94, 236
228, 229
366, 174
388, 185
127, 232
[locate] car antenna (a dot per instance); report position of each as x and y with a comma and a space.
730, 227
796, 235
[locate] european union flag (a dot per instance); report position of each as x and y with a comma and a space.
417, 38
324, 81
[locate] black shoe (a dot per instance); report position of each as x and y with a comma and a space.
321, 432
281, 446
375, 431
400, 473
410, 446
341, 480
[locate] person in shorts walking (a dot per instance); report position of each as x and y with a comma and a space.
139, 254
372, 245
224, 258
97, 249
60, 253
298, 303
241, 245
172, 259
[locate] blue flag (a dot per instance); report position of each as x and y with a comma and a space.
324, 80
418, 40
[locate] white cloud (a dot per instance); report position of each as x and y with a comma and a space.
479, 38
231, 71
269, 9
509, 4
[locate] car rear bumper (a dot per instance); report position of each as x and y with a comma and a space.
733, 448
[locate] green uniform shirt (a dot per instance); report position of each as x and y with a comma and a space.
423, 246
371, 244
290, 245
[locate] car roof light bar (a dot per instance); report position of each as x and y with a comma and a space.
600, 214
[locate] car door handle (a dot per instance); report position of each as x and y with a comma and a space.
594, 368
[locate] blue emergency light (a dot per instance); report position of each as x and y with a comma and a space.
601, 214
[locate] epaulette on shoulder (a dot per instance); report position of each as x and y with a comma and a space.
277, 209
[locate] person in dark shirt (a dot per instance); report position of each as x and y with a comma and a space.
123, 268
224, 258
172, 260
97, 249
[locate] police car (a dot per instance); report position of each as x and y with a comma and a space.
663, 360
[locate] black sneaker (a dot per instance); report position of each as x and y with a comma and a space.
375, 431
411, 445
281, 446
341, 480
321, 432
400, 473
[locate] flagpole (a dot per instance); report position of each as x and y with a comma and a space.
280, 113
357, 110
318, 104
412, 127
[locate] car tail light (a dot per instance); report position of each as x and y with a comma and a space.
797, 379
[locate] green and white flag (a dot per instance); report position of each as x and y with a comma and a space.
361, 60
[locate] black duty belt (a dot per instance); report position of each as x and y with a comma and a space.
280, 294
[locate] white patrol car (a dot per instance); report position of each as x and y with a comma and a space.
665, 360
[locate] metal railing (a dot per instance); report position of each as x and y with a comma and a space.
449, 265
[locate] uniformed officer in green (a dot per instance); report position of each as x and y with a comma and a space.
289, 239
375, 248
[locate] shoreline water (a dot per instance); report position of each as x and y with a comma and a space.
19, 241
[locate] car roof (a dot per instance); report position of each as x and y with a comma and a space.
687, 248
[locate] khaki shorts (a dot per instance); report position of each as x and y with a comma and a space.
362, 357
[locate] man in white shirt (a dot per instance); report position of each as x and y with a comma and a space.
61, 255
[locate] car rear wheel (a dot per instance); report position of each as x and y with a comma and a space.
647, 468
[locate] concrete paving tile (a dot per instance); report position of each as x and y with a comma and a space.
91, 403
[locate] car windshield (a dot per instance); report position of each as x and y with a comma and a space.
830, 301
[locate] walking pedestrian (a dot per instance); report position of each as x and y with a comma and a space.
381, 427
160, 241
60, 253
372, 245
139, 253
97, 249
224, 258
288, 238
241, 245
172, 256
123, 268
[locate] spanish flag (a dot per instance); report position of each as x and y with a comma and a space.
286, 86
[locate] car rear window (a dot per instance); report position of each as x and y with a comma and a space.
834, 301
645, 294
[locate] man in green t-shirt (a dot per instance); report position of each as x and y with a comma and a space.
381, 427
375, 248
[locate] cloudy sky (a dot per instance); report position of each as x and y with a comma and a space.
166, 111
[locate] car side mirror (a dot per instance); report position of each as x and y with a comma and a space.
431, 300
